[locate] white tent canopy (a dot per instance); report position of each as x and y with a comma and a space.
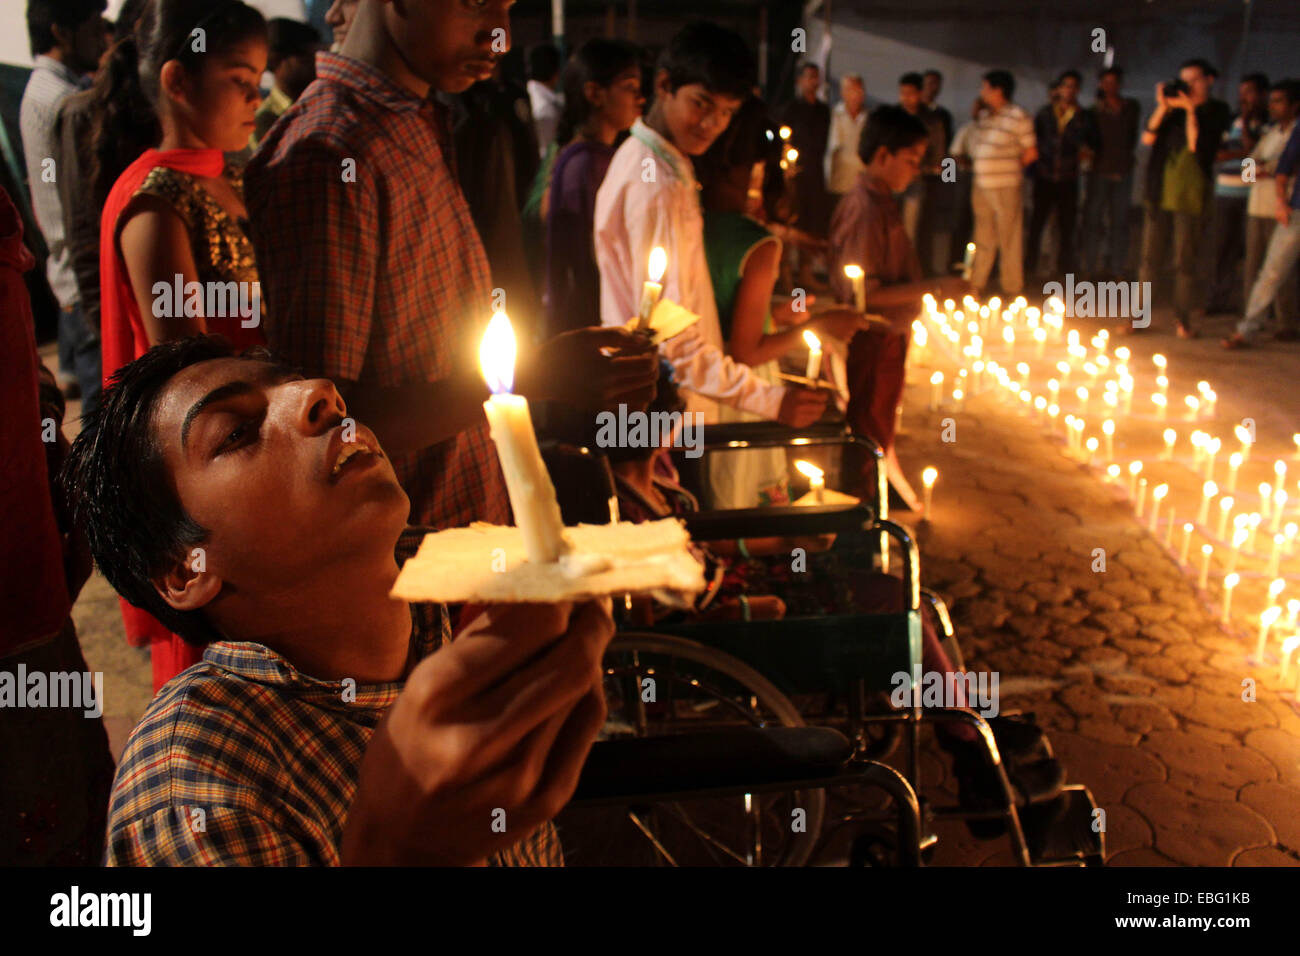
14, 48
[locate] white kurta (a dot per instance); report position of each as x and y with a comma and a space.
650, 198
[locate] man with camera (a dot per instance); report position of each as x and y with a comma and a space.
1184, 134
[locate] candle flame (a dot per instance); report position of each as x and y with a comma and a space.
1231, 580
811, 340
1160, 492
496, 354
785, 132
808, 469
658, 264
855, 272
929, 476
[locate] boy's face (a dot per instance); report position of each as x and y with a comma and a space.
1110, 84
933, 86
1069, 90
251, 452
909, 97
694, 116
899, 169
450, 44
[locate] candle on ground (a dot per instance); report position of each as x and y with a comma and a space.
1169, 528
528, 483
1275, 559
814, 353
1157, 495
1243, 436
1229, 582
928, 478
1208, 491
1161, 403
936, 390
968, 262
1142, 496
1134, 469
1238, 539
1266, 621
1108, 429
1234, 463
1112, 472
1225, 506
1092, 449
1279, 504
1170, 437
653, 287
1206, 551
1193, 407
1211, 450
1288, 648
1187, 542
1255, 519
1265, 497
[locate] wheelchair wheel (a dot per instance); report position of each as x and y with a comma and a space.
660, 684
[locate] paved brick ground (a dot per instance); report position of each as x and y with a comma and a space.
1129, 670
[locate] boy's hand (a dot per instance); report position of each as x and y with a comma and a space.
802, 406
594, 368
500, 720
841, 324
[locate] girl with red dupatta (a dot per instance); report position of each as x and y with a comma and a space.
174, 228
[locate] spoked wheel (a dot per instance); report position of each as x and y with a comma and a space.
659, 684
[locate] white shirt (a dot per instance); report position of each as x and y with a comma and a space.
547, 106
996, 145
1263, 193
842, 162
50, 82
650, 198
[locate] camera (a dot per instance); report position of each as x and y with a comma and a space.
1174, 87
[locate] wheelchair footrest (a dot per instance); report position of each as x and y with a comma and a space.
735, 758
1062, 830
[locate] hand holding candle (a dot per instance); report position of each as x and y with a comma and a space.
856, 276
814, 353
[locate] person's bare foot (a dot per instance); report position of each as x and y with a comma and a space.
1234, 342
899, 483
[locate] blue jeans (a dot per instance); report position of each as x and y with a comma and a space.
82, 344
1283, 252
1108, 200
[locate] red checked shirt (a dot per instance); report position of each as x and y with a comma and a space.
371, 266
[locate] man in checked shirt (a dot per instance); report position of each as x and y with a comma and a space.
226, 496
372, 270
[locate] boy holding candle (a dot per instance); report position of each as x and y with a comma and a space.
868, 231
319, 728
366, 246
650, 198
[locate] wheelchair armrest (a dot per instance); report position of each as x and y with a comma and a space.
771, 435
782, 522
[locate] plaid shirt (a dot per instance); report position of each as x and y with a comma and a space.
371, 266
268, 754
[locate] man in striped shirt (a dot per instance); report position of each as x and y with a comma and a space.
236, 502
1002, 145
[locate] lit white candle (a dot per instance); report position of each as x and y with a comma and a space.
968, 262
1157, 496
1142, 496
1279, 505
1134, 469
1288, 648
1187, 542
1243, 436
1225, 506
1206, 551
1112, 473
936, 390
1266, 621
1275, 559
816, 480
928, 478
1091, 445
1170, 437
1239, 537
1229, 582
814, 353
1211, 452
1159, 400
653, 287
858, 278
1208, 491
532, 496
1108, 429
1234, 463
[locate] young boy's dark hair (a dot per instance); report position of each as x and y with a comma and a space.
44, 15
1290, 89
912, 79
891, 127
1118, 72
1001, 80
1257, 80
544, 62
1201, 64
1067, 75
285, 37
118, 484
713, 56
600, 61
749, 139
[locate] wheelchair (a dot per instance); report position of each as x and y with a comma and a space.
749, 723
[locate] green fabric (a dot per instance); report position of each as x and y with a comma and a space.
729, 237
1184, 184
530, 217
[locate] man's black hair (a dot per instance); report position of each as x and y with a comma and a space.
544, 62
713, 56
1201, 64
1001, 80
120, 489
44, 15
911, 79
807, 65
1290, 89
1257, 80
1068, 74
932, 72
891, 127
1118, 71
285, 37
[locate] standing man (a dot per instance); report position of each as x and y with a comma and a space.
931, 87
1065, 135
847, 121
373, 273
68, 37
809, 120
1184, 134
1110, 181
1267, 213
544, 62
1002, 145
940, 204
910, 99
1231, 191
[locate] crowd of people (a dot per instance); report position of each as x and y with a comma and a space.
361, 222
